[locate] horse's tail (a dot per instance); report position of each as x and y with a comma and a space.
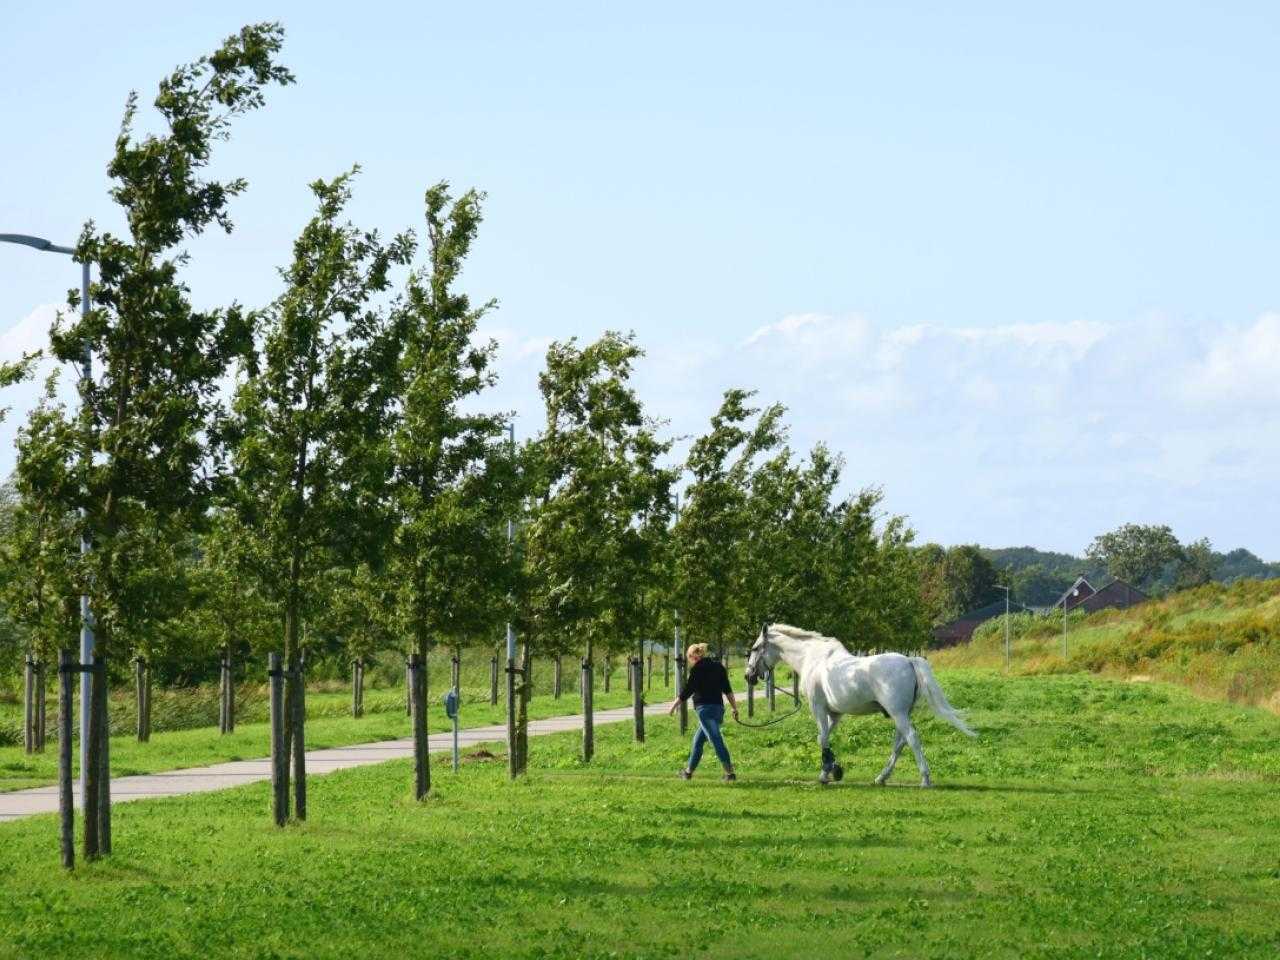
928, 683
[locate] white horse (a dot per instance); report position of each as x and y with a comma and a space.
837, 683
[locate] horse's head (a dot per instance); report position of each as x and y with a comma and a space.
762, 656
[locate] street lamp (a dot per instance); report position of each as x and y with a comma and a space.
86, 617
1008, 656
1075, 592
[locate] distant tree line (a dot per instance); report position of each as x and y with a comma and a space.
958, 579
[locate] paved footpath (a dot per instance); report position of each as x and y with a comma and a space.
220, 776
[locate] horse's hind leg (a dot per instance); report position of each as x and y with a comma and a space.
908, 732
899, 741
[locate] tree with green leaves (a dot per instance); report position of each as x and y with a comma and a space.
1136, 552
1196, 564
39, 553
144, 423
709, 541
311, 415
596, 495
452, 478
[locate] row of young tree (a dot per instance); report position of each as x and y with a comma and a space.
350, 491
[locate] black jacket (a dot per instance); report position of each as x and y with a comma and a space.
708, 682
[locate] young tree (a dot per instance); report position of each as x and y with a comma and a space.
308, 433
143, 422
39, 553
452, 486
595, 490
715, 522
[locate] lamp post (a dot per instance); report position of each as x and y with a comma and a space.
1008, 656
86, 616
1075, 592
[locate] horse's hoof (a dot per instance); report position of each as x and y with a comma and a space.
837, 773
823, 778
926, 784
878, 781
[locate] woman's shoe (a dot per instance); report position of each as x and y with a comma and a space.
729, 775
686, 774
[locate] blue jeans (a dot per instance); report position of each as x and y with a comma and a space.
710, 716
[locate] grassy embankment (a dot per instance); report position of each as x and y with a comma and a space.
1222, 642
1092, 818
183, 736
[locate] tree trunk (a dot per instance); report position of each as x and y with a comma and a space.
637, 697
421, 761
66, 797
608, 671
630, 673
751, 699
493, 681
771, 690
357, 687
408, 687
648, 683
555, 678
684, 704
588, 707
666, 670
279, 756
299, 715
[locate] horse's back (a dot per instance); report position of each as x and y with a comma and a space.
857, 685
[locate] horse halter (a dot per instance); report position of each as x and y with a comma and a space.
753, 676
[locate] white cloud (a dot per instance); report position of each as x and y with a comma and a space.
29, 334
1242, 364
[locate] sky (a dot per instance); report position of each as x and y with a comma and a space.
1017, 263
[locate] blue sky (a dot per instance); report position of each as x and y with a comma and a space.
1019, 267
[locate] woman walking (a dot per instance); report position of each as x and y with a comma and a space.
708, 684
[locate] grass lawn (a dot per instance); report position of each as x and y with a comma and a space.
174, 749
1093, 818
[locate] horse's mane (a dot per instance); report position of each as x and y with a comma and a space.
796, 633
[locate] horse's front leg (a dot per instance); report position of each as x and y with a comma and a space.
830, 769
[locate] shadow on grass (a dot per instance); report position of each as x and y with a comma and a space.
751, 782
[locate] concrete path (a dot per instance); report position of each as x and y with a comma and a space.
172, 783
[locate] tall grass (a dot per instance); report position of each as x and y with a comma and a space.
1221, 641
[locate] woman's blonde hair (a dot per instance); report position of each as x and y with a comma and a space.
696, 651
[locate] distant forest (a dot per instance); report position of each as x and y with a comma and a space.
1039, 577
957, 580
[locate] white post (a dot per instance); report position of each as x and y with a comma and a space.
86, 614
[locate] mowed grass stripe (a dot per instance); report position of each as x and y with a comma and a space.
1093, 818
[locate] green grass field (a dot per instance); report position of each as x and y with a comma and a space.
1092, 818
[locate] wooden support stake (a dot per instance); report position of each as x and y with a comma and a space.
299, 740
66, 799
588, 718
104, 760
279, 762
637, 698
493, 681
29, 706
555, 678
